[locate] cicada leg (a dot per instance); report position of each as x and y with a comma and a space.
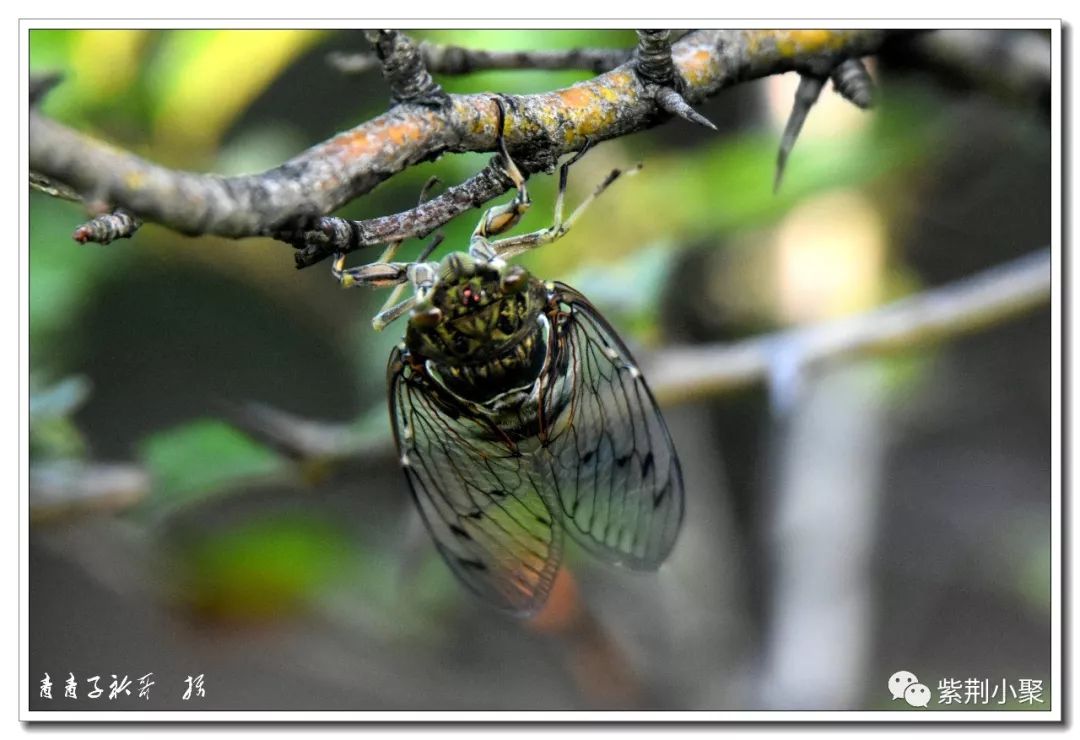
513, 245
504, 217
383, 272
375, 274
498, 219
394, 307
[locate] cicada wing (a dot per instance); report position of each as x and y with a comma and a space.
480, 499
613, 463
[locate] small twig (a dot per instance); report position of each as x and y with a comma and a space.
854, 83
653, 58
404, 70
654, 65
107, 227
456, 60
986, 299
332, 234
53, 188
601, 668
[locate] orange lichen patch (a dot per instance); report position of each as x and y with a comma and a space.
622, 78
792, 43
577, 96
400, 133
563, 608
370, 139
608, 94
589, 109
352, 143
697, 68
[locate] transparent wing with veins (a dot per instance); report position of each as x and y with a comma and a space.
481, 499
613, 465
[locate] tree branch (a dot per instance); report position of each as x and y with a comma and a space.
682, 373
457, 60
539, 129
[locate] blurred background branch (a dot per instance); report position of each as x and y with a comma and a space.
974, 303
1014, 65
452, 59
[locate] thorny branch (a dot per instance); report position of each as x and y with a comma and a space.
288, 201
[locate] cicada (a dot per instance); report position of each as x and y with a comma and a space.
520, 416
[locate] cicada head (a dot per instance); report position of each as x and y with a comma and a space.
475, 310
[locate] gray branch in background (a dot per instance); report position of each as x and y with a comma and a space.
994, 296
450, 59
1017, 65
64, 488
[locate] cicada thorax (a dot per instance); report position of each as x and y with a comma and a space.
481, 330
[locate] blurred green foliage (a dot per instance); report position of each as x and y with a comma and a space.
201, 457
53, 434
261, 568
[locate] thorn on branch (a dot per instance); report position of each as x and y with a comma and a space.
805, 96
853, 83
676, 104
404, 70
107, 227
655, 67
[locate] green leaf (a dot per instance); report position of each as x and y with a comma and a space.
204, 456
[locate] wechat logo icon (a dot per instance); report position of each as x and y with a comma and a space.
905, 685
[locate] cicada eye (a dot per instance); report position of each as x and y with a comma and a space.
426, 318
514, 281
